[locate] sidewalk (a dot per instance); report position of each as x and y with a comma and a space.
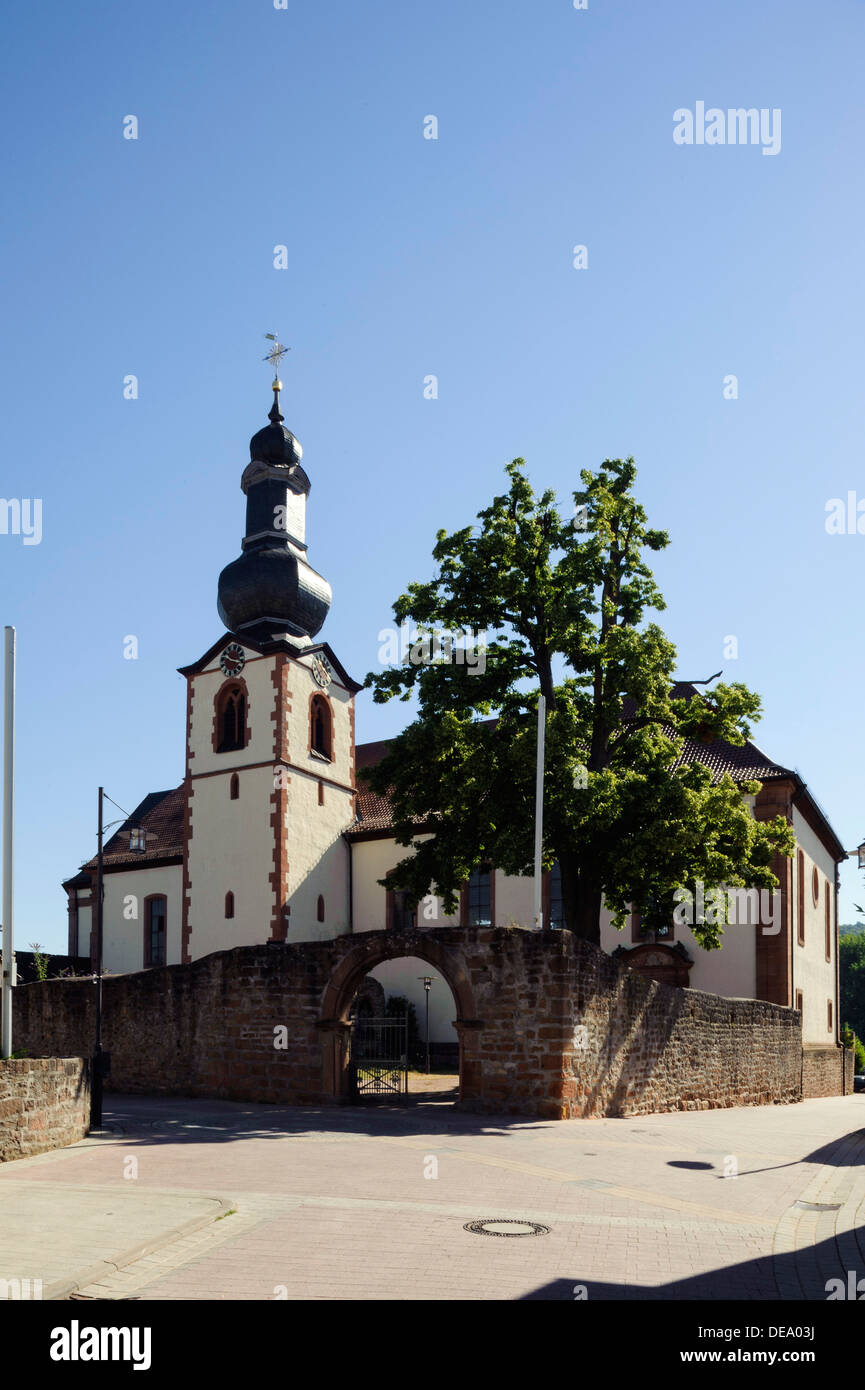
71, 1236
357, 1203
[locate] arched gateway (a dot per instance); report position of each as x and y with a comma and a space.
367, 952
547, 1025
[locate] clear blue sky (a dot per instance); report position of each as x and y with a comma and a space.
408, 256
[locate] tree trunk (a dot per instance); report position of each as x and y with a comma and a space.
581, 901
588, 920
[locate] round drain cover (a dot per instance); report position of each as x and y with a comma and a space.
505, 1227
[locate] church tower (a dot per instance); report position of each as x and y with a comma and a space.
269, 782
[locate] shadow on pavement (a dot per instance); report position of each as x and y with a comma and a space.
752, 1281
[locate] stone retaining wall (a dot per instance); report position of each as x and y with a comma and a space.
44, 1104
826, 1071
547, 1025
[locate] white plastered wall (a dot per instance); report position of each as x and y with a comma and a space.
123, 916
232, 847
404, 977
318, 856
812, 973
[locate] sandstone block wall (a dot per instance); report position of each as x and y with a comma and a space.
44, 1104
826, 1071
547, 1025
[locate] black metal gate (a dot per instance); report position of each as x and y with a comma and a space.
379, 1058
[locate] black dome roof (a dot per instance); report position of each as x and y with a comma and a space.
275, 443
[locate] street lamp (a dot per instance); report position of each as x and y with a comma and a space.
860, 854
427, 982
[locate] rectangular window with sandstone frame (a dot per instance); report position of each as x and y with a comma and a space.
477, 899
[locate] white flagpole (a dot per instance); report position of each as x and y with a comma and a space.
539, 809
8, 784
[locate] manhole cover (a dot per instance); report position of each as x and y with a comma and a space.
818, 1206
506, 1227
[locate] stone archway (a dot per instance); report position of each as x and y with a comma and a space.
669, 965
366, 954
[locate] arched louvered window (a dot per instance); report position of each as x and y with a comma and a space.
320, 727
230, 718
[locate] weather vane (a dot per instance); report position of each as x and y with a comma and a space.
276, 354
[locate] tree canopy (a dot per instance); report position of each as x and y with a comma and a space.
562, 602
851, 966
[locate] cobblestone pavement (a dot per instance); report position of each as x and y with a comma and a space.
372, 1203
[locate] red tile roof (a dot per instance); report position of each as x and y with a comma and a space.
744, 764
160, 815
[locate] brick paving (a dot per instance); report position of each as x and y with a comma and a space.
371, 1203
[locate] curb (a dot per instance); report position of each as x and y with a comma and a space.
62, 1288
801, 1262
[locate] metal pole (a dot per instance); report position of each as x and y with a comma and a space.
427, 982
96, 1078
539, 809
8, 805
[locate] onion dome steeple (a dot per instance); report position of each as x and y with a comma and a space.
275, 444
271, 589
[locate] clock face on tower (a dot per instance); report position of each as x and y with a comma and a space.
233, 659
320, 671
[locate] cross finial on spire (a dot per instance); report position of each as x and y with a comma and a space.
276, 354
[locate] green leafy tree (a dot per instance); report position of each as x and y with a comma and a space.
621, 816
851, 969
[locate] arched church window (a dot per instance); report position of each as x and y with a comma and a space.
320, 727
230, 718
229, 904
319, 912
235, 786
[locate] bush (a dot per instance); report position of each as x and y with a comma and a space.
398, 1006
849, 1039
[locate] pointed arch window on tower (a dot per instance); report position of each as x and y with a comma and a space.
320, 727
231, 718
234, 791
229, 904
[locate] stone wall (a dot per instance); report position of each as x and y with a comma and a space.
826, 1071
44, 1104
547, 1025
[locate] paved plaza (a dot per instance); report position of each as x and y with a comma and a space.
196, 1199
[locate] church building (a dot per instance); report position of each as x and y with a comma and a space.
269, 838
